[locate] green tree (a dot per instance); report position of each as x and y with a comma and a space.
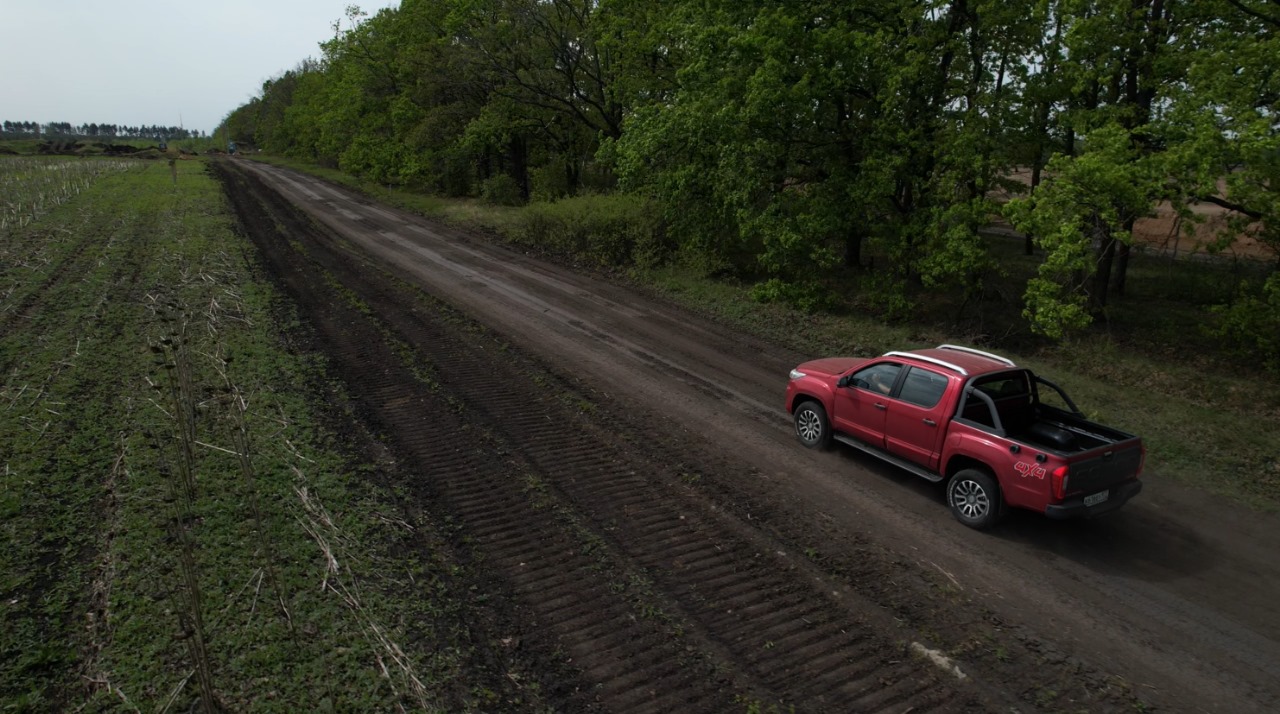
799, 133
1086, 205
1224, 118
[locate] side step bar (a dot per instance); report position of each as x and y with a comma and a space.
886, 456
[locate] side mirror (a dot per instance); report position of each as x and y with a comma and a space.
843, 382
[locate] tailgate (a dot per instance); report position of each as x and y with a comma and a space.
1105, 466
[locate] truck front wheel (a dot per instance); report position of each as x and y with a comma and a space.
974, 498
812, 425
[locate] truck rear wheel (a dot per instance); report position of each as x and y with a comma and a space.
812, 425
974, 498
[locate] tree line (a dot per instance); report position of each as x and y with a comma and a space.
795, 142
67, 130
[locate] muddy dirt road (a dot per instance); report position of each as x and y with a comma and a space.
606, 454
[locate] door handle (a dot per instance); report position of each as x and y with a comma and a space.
881, 406
930, 422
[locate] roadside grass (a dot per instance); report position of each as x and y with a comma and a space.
1153, 368
139, 341
472, 214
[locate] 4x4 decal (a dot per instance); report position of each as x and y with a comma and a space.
1026, 468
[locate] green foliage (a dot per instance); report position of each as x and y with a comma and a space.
1252, 322
787, 143
955, 254
1056, 310
806, 296
797, 134
1227, 147
501, 190
372, 158
1090, 199
550, 183
604, 231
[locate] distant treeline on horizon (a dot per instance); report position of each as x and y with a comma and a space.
62, 129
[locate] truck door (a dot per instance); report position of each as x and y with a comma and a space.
914, 423
863, 405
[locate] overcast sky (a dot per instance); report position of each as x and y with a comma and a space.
135, 62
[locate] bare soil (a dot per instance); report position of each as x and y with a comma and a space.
650, 537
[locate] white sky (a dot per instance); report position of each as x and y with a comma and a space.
135, 62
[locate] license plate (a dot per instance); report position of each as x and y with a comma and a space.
1097, 498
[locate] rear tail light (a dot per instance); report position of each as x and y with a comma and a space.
1060, 482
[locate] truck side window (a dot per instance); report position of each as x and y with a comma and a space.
877, 378
923, 388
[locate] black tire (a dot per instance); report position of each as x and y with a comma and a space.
975, 499
812, 427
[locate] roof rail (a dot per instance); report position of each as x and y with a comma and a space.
980, 353
931, 360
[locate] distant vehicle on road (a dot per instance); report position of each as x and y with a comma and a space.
998, 435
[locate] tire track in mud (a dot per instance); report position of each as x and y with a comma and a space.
661, 600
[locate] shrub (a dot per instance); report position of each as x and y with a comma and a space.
1252, 322
806, 296
501, 190
616, 230
549, 183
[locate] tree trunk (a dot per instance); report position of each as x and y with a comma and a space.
1036, 168
518, 152
1042, 119
485, 167
1121, 275
996, 114
1106, 252
572, 175
1122, 270
853, 248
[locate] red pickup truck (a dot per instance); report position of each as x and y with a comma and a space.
997, 434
